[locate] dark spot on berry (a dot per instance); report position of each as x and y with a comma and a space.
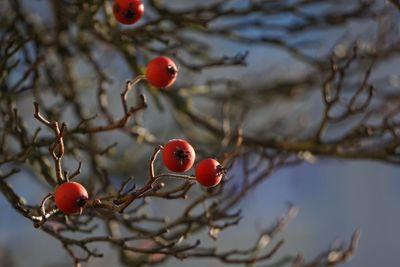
81, 201
171, 71
221, 170
117, 8
181, 155
129, 14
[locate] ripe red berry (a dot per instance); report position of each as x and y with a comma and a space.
128, 11
209, 172
161, 72
178, 155
70, 197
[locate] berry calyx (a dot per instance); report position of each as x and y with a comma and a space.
161, 72
209, 172
70, 197
178, 155
128, 11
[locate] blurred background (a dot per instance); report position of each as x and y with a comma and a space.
334, 198
267, 78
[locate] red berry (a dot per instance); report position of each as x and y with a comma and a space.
161, 72
209, 172
70, 197
178, 155
128, 11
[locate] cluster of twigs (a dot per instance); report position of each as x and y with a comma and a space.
39, 61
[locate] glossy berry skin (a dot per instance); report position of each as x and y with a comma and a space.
178, 155
71, 197
209, 172
128, 11
161, 72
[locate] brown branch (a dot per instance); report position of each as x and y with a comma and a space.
226, 257
75, 173
298, 261
42, 209
57, 148
128, 112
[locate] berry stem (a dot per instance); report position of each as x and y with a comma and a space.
130, 84
42, 209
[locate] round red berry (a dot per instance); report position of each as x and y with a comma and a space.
209, 172
128, 11
161, 72
71, 197
178, 155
